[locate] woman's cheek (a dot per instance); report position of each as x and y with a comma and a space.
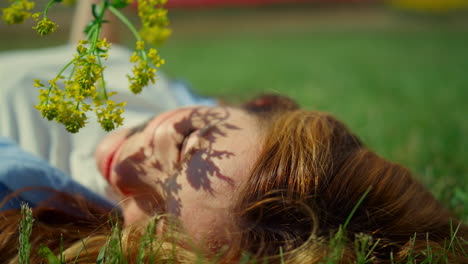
129, 174
137, 174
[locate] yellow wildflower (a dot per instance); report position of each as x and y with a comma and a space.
155, 35
155, 58
49, 112
17, 12
45, 26
37, 83
73, 120
81, 49
36, 16
134, 58
140, 45
110, 116
142, 75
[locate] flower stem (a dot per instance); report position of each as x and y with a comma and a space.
97, 26
127, 22
130, 26
103, 83
46, 9
60, 73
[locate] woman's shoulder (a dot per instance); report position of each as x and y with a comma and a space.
21, 170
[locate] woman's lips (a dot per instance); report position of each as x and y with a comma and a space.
108, 163
106, 152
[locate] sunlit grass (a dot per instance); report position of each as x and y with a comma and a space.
112, 251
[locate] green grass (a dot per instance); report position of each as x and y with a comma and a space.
112, 251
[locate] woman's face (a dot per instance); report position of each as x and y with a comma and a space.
188, 162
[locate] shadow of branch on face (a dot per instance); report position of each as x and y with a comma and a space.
133, 182
199, 164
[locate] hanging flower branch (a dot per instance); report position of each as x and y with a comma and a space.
67, 99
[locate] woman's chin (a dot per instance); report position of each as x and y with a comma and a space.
134, 213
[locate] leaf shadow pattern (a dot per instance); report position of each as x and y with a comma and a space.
149, 201
199, 164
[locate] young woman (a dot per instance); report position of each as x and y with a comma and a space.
266, 179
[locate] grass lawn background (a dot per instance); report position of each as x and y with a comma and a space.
400, 81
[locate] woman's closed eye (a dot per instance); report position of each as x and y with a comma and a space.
183, 144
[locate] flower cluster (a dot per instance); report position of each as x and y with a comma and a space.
145, 69
154, 21
88, 70
155, 35
84, 91
45, 27
152, 13
17, 12
54, 106
67, 99
110, 116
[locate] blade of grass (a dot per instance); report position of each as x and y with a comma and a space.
25, 230
281, 255
83, 242
48, 255
356, 207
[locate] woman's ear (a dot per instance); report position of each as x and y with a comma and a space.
270, 103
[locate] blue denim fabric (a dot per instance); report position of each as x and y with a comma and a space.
20, 169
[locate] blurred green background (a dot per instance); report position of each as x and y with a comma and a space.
398, 78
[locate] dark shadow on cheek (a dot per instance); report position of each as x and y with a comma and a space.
149, 200
129, 169
150, 204
170, 189
201, 167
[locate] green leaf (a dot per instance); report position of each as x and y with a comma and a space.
119, 4
48, 255
95, 11
89, 27
102, 255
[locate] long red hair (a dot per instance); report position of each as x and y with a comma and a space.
310, 176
